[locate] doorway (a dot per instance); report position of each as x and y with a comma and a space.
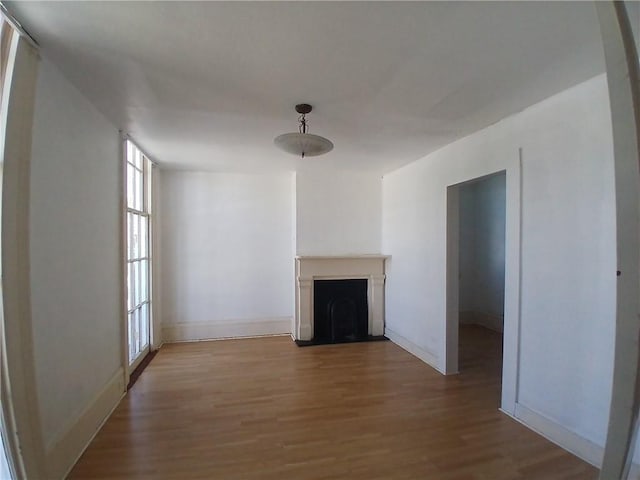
476, 224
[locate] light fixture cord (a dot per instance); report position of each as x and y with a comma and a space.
303, 124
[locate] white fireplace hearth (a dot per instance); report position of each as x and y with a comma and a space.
311, 268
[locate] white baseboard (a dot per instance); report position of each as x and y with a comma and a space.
406, 344
581, 447
63, 453
553, 431
191, 332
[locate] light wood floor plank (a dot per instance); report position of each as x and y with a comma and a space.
266, 409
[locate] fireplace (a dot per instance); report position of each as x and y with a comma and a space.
340, 311
355, 309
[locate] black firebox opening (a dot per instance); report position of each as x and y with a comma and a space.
340, 311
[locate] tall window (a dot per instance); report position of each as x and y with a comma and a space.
138, 253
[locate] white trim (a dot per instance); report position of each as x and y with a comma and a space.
452, 282
513, 399
563, 437
512, 263
511, 338
26, 441
190, 332
623, 81
154, 253
7, 415
124, 254
63, 453
415, 350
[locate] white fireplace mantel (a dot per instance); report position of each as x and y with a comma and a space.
339, 267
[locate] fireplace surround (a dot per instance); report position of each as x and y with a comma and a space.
312, 268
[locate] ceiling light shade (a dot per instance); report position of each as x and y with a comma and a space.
303, 143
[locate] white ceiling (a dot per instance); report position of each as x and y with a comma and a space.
209, 85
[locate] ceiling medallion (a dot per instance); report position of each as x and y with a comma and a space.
303, 143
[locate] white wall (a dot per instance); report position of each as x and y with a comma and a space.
568, 251
338, 213
227, 254
75, 259
482, 249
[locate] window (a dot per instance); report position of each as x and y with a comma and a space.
138, 271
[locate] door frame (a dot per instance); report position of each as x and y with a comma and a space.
512, 281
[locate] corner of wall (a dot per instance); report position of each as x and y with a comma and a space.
415, 350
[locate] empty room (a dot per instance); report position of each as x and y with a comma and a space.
320, 240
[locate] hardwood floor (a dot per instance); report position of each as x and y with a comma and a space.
266, 409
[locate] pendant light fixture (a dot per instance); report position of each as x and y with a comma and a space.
303, 143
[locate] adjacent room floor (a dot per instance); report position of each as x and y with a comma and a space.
266, 409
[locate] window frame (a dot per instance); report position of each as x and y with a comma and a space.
139, 166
